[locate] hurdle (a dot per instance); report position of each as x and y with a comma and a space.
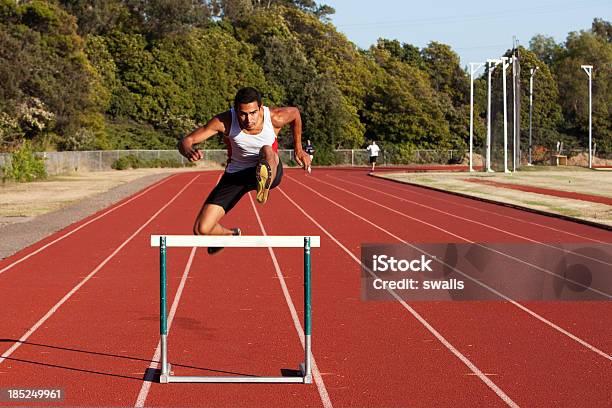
166, 241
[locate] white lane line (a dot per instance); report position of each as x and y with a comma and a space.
50, 313
543, 270
296, 320
434, 197
85, 224
525, 309
500, 393
468, 220
146, 385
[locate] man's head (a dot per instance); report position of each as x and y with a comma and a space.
247, 105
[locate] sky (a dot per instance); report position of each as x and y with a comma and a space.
476, 30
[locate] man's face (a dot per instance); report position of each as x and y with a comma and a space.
248, 115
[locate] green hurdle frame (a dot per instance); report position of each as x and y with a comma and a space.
166, 241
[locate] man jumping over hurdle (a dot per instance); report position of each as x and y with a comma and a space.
250, 132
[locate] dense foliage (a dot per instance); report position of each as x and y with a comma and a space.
126, 74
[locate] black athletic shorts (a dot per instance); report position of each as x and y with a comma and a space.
233, 186
373, 159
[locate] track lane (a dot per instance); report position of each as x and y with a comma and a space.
370, 353
499, 320
25, 253
475, 212
113, 369
87, 339
233, 320
564, 231
345, 328
588, 321
48, 276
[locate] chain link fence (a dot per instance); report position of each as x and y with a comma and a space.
102, 160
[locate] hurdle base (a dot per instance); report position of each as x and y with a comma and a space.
307, 377
169, 378
215, 379
165, 378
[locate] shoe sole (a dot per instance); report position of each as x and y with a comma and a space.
264, 180
216, 250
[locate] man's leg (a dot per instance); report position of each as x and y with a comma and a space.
207, 222
266, 172
269, 155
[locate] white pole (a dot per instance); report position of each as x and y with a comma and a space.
491, 63
588, 69
489, 69
505, 65
474, 66
532, 72
471, 113
590, 120
513, 113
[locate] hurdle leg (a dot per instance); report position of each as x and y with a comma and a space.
163, 321
306, 369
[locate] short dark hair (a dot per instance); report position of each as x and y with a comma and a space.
247, 95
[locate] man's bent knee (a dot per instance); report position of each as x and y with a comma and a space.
208, 219
201, 228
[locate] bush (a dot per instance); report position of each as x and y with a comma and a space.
126, 162
24, 166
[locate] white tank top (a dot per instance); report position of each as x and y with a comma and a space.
243, 149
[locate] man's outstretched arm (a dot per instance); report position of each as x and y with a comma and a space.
291, 116
185, 145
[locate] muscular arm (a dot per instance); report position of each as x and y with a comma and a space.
214, 126
291, 116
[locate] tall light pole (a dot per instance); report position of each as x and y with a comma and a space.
474, 66
513, 111
491, 63
505, 65
516, 110
532, 72
588, 69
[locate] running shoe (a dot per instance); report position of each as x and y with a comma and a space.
216, 250
264, 181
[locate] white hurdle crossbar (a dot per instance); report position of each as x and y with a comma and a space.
244, 241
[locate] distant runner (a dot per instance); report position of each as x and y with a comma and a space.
373, 149
309, 149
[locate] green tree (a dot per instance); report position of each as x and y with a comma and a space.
41, 53
602, 29
545, 48
402, 108
179, 81
586, 48
308, 77
546, 116
442, 65
98, 17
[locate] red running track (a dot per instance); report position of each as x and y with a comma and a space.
82, 313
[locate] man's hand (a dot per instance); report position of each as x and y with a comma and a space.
303, 159
185, 147
214, 126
